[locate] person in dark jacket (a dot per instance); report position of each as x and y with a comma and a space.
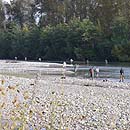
91, 71
121, 75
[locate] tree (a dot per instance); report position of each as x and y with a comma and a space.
20, 12
2, 15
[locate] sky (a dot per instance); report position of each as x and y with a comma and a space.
7, 0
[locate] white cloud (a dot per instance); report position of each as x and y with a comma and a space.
7, 1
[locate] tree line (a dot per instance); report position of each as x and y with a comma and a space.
64, 29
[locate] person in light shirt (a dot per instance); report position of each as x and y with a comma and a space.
97, 72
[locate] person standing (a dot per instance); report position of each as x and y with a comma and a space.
106, 61
91, 71
71, 61
121, 75
75, 67
97, 72
86, 61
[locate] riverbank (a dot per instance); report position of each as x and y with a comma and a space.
27, 69
68, 104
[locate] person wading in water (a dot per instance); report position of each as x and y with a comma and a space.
121, 75
91, 71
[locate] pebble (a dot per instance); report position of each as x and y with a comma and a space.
95, 106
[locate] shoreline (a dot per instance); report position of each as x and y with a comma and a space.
44, 68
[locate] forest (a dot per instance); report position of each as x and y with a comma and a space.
62, 29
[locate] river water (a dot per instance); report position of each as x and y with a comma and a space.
109, 71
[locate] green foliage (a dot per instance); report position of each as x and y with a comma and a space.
77, 29
121, 52
120, 31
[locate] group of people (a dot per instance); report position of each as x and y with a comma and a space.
95, 72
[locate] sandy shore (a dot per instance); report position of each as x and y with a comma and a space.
54, 103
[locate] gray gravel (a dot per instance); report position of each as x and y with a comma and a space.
74, 104
55, 103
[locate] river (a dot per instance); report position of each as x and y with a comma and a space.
109, 71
